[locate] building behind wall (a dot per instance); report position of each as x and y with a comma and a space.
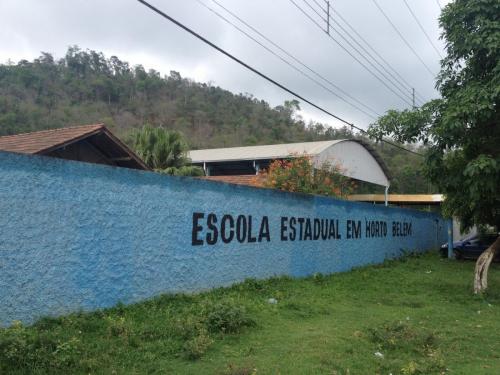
357, 159
425, 202
87, 143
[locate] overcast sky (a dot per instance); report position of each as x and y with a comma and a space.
134, 33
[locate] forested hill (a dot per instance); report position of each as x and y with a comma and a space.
86, 87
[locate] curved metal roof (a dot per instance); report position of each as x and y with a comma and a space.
278, 151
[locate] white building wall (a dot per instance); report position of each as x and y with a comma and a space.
456, 230
356, 160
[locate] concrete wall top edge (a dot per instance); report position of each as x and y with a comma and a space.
16, 161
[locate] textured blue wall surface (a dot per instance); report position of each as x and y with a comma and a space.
77, 236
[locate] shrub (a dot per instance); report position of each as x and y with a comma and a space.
189, 326
25, 349
422, 346
213, 317
66, 352
226, 317
195, 347
117, 326
252, 284
318, 278
400, 335
301, 175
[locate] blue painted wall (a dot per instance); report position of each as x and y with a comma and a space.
77, 236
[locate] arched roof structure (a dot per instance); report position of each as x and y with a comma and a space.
357, 158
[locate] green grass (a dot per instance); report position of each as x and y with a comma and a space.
418, 312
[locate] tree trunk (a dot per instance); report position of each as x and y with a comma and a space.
482, 266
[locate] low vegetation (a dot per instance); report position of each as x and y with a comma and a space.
299, 174
416, 315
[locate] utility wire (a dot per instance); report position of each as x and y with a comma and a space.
422, 28
315, 11
321, 6
403, 87
392, 79
206, 41
405, 93
401, 80
408, 85
403, 38
348, 52
288, 62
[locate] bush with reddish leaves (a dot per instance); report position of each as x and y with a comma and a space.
300, 174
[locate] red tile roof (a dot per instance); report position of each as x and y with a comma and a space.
249, 180
38, 142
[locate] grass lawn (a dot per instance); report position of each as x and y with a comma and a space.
419, 313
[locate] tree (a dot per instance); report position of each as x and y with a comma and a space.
300, 174
164, 151
462, 129
84, 86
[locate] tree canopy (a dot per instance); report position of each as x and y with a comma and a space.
85, 87
462, 129
164, 151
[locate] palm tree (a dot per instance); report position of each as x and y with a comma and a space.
164, 151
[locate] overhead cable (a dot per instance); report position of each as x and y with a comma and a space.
267, 78
404, 99
373, 112
408, 85
423, 30
399, 79
403, 38
398, 85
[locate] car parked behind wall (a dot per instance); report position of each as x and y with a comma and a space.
471, 247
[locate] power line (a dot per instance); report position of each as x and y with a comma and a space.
393, 80
403, 38
403, 91
399, 79
327, 13
206, 41
408, 85
296, 59
439, 4
422, 28
315, 11
292, 57
318, 4
348, 52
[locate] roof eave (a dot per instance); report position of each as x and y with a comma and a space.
244, 159
102, 129
129, 152
69, 142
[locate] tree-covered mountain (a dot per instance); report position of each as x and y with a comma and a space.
86, 87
